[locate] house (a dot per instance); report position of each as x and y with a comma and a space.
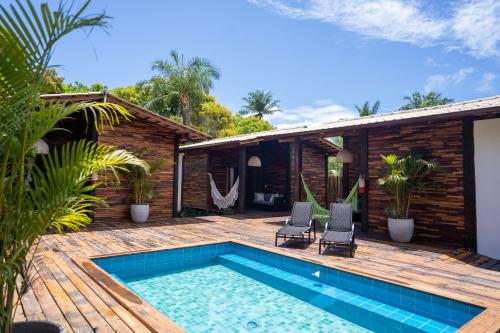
160, 137
463, 137
267, 162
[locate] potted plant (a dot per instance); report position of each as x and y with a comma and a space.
405, 178
142, 187
55, 193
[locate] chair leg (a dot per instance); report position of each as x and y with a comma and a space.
309, 237
319, 251
276, 240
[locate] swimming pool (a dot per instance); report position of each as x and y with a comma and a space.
230, 287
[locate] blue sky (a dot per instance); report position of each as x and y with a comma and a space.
318, 57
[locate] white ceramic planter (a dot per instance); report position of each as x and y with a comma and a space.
401, 230
139, 213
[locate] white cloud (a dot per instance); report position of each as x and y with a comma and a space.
430, 62
439, 82
477, 25
317, 113
486, 82
472, 25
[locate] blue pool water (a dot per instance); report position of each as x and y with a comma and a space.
230, 287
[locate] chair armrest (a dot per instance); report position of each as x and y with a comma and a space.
310, 222
326, 226
287, 221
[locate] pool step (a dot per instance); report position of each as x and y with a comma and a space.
363, 311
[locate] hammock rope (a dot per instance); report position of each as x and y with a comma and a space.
323, 214
224, 202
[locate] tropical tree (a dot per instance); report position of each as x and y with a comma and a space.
366, 110
186, 81
245, 125
51, 191
214, 119
418, 100
260, 103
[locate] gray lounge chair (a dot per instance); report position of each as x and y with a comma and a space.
298, 224
339, 230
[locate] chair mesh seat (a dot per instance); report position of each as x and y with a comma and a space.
341, 237
292, 231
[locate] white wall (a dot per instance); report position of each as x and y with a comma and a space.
487, 165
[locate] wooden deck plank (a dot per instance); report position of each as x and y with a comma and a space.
66, 294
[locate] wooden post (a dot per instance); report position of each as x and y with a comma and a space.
345, 170
175, 211
470, 239
209, 170
289, 176
242, 161
364, 171
296, 163
326, 182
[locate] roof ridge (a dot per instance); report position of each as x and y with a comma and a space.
418, 110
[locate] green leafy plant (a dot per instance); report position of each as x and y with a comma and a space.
140, 181
55, 193
405, 178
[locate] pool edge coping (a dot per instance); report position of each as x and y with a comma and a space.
157, 322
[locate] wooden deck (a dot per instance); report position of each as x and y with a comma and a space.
64, 293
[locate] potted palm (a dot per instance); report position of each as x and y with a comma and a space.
404, 179
142, 187
53, 194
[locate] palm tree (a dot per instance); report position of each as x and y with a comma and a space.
418, 100
260, 103
365, 110
185, 81
53, 194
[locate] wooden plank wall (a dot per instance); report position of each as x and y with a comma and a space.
313, 170
159, 142
195, 189
275, 165
439, 216
220, 161
354, 167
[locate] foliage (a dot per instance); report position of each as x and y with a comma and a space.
418, 100
80, 87
140, 180
334, 167
366, 110
129, 93
245, 125
214, 119
51, 191
186, 82
192, 212
53, 83
405, 178
260, 103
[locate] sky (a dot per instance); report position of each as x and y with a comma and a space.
318, 57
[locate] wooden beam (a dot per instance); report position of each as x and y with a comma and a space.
175, 211
242, 162
296, 164
209, 170
345, 170
326, 182
289, 176
364, 171
470, 239
286, 140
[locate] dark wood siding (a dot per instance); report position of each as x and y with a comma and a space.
195, 189
313, 170
440, 215
159, 142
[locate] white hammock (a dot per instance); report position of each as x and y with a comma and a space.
226, 201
